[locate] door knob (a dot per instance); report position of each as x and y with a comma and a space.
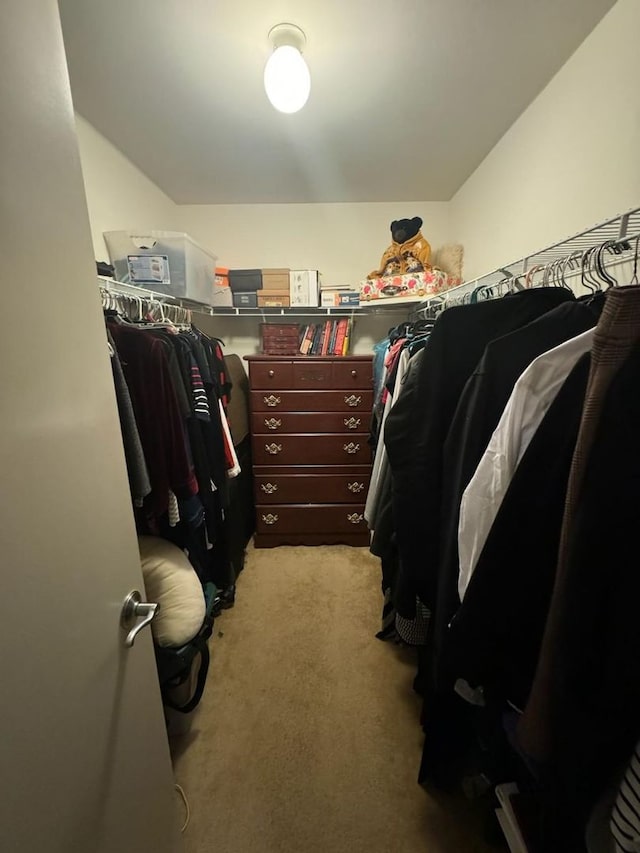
133, 608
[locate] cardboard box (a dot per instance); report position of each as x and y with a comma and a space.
275, 279
304, 288
270, 299
222, 276
349, 297
400, 288
329, 299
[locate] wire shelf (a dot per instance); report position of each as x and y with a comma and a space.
619, 228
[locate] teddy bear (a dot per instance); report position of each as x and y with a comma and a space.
409, 252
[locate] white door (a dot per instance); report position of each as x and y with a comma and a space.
84, 760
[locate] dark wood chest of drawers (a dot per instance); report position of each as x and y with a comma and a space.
311, 454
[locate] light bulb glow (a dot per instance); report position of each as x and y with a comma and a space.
287, 81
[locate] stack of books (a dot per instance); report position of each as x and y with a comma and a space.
329, 338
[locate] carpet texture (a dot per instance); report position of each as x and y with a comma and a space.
307, 739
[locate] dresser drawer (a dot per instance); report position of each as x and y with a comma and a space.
309, 488
312, 518
271, 374
321, 449
312, 374
353, 402
283, 422
354, 374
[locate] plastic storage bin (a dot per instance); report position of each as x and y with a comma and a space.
167, 262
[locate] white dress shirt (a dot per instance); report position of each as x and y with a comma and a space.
532, 395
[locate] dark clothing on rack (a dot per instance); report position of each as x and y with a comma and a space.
417, 427
479, 409
593, 699
494, 637
617, 333
146, 368
134, 455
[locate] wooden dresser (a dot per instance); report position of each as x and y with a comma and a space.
310, 442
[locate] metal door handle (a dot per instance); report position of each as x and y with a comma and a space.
273, 448
269, 488
352, 423
269, 518
133, 608
351, 447
354, 517
356, 488
271, 400
352, 400
272, 423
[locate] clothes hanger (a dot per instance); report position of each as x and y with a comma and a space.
586, 276
530, 276
604, 274
634, 277
571, 263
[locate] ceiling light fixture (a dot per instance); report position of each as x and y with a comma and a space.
287, 81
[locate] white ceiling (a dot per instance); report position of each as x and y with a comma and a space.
408, 96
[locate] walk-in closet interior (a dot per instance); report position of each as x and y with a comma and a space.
320, 426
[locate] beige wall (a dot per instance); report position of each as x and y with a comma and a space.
119, 195
571, 160
344, 241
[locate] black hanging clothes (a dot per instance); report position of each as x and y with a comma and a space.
417, 426
147, 370
494, 638
478, 412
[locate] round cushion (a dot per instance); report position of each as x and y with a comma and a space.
169, 580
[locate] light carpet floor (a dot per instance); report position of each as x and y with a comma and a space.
307, 739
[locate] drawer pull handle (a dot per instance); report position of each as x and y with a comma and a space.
269, 488
271, 374
272, 423
356, 488
269, 518
352, 423
272, 400
351, 447
273, 449
353, 517
352, 400
354, 373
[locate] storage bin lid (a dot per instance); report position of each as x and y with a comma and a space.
144, 239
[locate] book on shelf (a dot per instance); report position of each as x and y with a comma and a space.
308, 339
341, 334
332, 337
317, 340
326, 335
347, 337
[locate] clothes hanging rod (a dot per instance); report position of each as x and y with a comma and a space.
133, 290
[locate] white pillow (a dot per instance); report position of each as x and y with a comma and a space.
169, 579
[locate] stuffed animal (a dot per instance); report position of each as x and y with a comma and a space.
408, 253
